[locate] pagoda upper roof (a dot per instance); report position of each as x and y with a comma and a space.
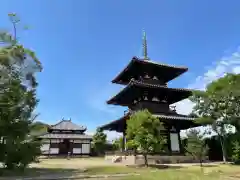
137, 66
67, 125
136, 89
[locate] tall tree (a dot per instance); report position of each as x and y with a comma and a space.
196, 145
17, 100
99, 141
219, 106
143, 131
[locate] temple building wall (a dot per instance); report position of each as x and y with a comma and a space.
45, 148
153, 107
55, 146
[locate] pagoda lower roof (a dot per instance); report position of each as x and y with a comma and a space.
64, 136
136, 89
138, 66
185, 120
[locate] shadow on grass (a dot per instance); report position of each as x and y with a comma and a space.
207, 165
109, 170
235, 163
163, 166
35, 172
156, 166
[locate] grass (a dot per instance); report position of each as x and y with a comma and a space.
110, 170
220, 172
74, 167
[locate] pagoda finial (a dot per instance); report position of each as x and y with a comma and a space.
145, 53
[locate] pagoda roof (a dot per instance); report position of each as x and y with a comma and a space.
137, 88
67, 125
136, 66
64, 136
114, 125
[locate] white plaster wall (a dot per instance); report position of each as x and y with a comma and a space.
86, 148
174, 142
77, 150
45, 148
54, 150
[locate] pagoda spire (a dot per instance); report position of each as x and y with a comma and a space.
144, 46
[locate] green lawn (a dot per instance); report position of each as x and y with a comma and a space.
221, 172
76, 167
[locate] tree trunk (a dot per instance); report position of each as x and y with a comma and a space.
224, 154
200, 161
145, 160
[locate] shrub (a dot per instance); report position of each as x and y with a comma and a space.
236, 152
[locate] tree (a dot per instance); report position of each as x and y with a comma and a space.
219, 106
196, 146
117, 143
17, 100
143, 132
38, 128
236, 152
99, 141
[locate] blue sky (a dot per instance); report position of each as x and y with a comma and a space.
83, 44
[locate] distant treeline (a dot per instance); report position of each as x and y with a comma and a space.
215, 149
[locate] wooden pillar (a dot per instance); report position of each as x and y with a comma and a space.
124, 126
180, 143
123, 142
169, 142
49, 147
73, 146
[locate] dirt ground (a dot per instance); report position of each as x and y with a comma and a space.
74, 163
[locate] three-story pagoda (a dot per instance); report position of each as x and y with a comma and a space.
146, 88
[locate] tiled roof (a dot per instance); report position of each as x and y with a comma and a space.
65, 136
144, 84
119, 95
171, 71
67, 125
174, 117
162, 116
159, 64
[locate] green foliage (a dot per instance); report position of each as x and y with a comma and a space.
20, 154
236, 152
219, 106
117, 143
17, 101
99, 141
220, 101
143, 133
38, 128
196, 146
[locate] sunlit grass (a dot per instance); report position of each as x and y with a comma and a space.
97, 166
218, 172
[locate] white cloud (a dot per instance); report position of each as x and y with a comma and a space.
112, 135
228, 64
236, 70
